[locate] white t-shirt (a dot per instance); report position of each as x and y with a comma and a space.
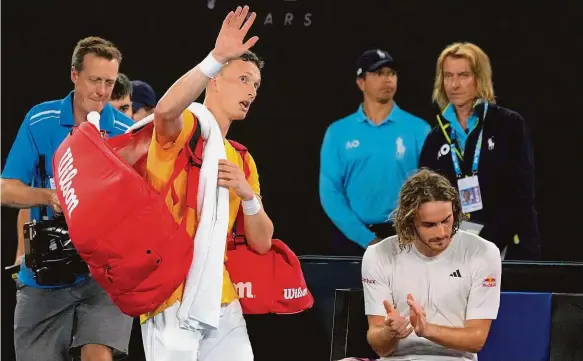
462, 283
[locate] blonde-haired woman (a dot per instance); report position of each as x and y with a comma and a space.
484, 149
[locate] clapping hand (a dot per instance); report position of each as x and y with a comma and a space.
396, 324
417, 316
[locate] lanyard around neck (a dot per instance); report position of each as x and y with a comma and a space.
455, 153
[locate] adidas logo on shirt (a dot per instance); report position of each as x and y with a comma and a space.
456, 273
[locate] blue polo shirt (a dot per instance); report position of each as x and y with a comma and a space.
364, 165
44, 128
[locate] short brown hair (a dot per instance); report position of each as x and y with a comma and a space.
94, 45
424, 186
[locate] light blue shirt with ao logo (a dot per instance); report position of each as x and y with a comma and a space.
363, 167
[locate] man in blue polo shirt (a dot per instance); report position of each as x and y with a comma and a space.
367, 156
55, 322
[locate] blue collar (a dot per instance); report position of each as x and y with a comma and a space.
67, 118
393, 115
450, 115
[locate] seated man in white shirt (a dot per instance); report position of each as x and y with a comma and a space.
432, 291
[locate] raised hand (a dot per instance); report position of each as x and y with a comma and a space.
229, 42
417, 316
396, 324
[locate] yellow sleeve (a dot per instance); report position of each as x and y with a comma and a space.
253, 178
187, 125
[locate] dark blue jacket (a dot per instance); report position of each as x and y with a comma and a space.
505, 173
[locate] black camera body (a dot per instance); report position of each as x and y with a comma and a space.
50, 254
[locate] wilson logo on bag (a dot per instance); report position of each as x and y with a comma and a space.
118, 223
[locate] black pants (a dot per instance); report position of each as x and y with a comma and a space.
342, 246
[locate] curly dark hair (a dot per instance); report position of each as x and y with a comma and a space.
424, 186
122, 88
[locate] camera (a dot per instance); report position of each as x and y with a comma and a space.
50, 254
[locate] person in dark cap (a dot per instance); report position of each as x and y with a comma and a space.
367, 156
143, 99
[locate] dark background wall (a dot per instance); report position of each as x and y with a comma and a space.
310, 48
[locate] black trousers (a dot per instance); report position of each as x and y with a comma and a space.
342, 246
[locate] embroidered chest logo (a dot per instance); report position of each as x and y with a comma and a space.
443, 150
491, 143
352, 144
400, 148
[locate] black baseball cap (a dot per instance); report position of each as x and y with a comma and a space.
374, 59
142, 95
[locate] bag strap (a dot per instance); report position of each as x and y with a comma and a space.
238, 231
189, 159
243, 152
194, 151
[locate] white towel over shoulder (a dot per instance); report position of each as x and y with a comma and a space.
201, 302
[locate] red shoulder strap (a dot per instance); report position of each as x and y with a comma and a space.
189, 159
243, 152
238, 236
193, 150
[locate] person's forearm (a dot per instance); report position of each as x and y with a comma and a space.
462, 338
181, 94
336, 207
259, 231
525, 216
18, 195
381, 341
23, 217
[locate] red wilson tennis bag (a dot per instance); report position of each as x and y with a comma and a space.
270, 283
118, 223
